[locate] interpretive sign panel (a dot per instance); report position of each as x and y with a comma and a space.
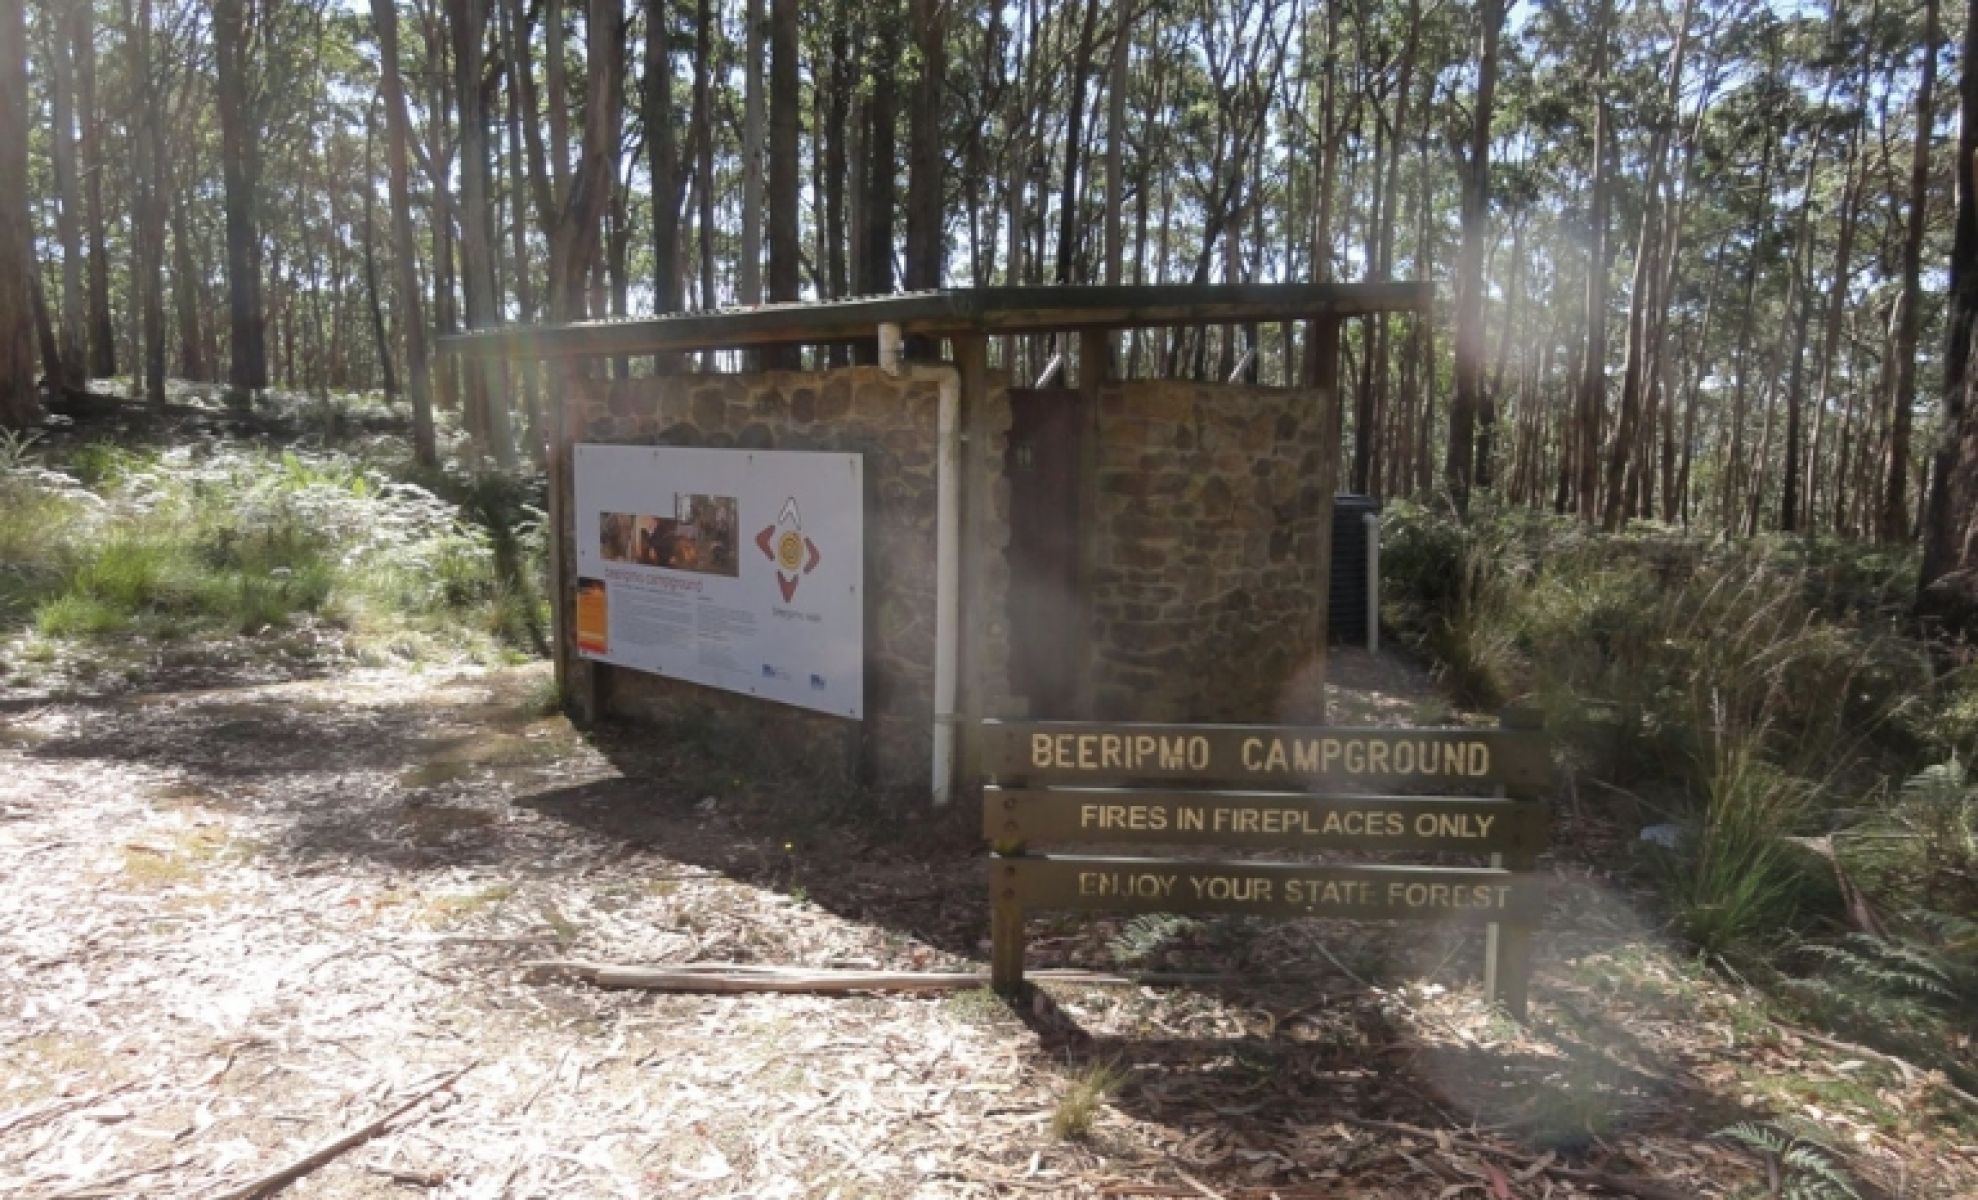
1257, 786
737, 569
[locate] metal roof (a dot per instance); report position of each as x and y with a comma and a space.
944, 313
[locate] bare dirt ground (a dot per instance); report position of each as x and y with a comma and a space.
238, 923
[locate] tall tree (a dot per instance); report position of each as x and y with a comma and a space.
240, 160
20, 404
1593, 362
148, 162
486, 398
1460, 469
68, 192
573, 239
749, 273
785, 101
1642, 293
1948, 583
663, 150
1893, 523
102, 332
880, 168
925, 155
405, 250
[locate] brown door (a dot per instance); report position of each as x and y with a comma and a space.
1047, 624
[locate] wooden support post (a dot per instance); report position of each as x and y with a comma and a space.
1508, 948
972, 364
1094, 369
1005, 928
562, 586
1508, 952
1322, 373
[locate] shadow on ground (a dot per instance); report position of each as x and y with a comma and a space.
430, 776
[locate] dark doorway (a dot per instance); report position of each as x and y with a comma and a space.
1047, 625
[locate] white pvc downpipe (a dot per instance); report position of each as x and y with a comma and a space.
1372, 522
947, 551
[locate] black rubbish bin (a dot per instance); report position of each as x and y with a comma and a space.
1347, 614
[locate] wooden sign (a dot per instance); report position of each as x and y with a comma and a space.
1260, 786
1264, 757
1012, 818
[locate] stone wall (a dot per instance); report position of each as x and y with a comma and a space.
1205, 551
893, 423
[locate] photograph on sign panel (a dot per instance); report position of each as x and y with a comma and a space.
698, 537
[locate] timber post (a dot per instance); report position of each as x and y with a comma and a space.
1322, 375
972, 365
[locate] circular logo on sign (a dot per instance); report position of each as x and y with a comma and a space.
790, 550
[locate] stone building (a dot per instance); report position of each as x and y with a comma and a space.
1132, 549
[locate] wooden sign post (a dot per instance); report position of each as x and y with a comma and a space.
1268, 787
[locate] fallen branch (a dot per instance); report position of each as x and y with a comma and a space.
276, 1180
750, 977
1624, 1185
1909, 1071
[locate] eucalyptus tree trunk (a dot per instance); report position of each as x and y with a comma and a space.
1068, 215
1641, 297
663, 151
486, 395
185, 282
1830, 323
240, 159
1593, 365
876, 201
1464, 464
837, 161
20, 402
373, 286
68, 195
785, 97
574, 237
924, 152
1115, 217
1893, 523
102, 329
405, 250
148, 160
703, 119
556, 80
1948, 584
1731, 477
749, 270
1800, 306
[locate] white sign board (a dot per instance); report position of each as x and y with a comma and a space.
738, 569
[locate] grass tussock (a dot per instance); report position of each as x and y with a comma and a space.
1084, 1098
